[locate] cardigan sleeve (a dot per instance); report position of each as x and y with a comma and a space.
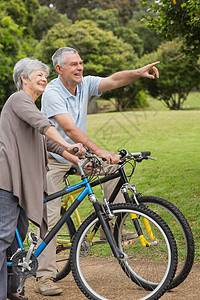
26, 110
53, 147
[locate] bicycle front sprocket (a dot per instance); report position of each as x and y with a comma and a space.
23, 268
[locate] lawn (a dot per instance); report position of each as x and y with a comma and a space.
173, 137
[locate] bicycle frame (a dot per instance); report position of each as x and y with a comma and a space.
120, 173
87, 190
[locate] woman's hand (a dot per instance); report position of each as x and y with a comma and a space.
81, 150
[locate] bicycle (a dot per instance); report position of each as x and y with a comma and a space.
169, 212
135, 275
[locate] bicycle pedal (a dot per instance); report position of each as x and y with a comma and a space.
33, 238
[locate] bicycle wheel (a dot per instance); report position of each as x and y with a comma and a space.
100, 275
64, 240
181, 231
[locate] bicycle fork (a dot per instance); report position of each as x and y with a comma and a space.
101, 213
148, 229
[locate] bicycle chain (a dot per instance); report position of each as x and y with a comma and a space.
21, 267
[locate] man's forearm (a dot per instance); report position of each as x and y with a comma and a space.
77, 136
125, 77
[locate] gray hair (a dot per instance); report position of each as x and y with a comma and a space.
25, 67
59, 57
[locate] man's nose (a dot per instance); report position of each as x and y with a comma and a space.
80, 66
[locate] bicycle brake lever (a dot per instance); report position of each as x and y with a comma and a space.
152, 158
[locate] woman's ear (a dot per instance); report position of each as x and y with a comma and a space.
24, 80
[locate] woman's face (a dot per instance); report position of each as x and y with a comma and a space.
37, 83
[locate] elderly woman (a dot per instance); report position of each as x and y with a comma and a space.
25, 137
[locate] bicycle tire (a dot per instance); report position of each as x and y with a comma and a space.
181, 231
63, 249
92, 262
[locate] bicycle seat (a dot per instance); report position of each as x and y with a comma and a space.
71, 171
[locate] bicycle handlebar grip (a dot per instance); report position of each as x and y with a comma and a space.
146, 153
122, 153
75, 149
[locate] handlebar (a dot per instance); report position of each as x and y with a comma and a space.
123, 154
75, 149
138, 156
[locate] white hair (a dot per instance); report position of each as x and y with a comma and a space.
59, 57
25, 67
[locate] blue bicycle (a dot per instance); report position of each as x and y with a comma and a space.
103, 269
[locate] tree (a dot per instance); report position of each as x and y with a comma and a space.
45, 18
71, 7
105, 19
16, 10
103, 53
177, 18
124, 7
22, 12
32, 7
12, 48
177, 76
108, 20
151, 40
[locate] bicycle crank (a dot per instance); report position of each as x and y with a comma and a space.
21, 266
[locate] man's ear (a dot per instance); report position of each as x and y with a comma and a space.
58, 69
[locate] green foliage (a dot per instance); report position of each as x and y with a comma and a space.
16, 9
22, 12
108, 20
140, 101
150, 39
128, 36
177, 76
71, 7
105, 19
124, 7
45, 18
13, 46
32, 7
10, 48
177, 18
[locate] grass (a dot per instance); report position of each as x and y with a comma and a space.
173, 139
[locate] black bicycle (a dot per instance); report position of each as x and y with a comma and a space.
164, 208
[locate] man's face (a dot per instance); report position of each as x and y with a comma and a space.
72, 71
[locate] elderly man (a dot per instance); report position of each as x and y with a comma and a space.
65, 102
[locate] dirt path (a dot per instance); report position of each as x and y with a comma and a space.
188, 290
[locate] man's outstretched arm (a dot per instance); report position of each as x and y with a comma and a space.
123, 78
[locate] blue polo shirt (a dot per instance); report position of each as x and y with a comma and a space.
58, 100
